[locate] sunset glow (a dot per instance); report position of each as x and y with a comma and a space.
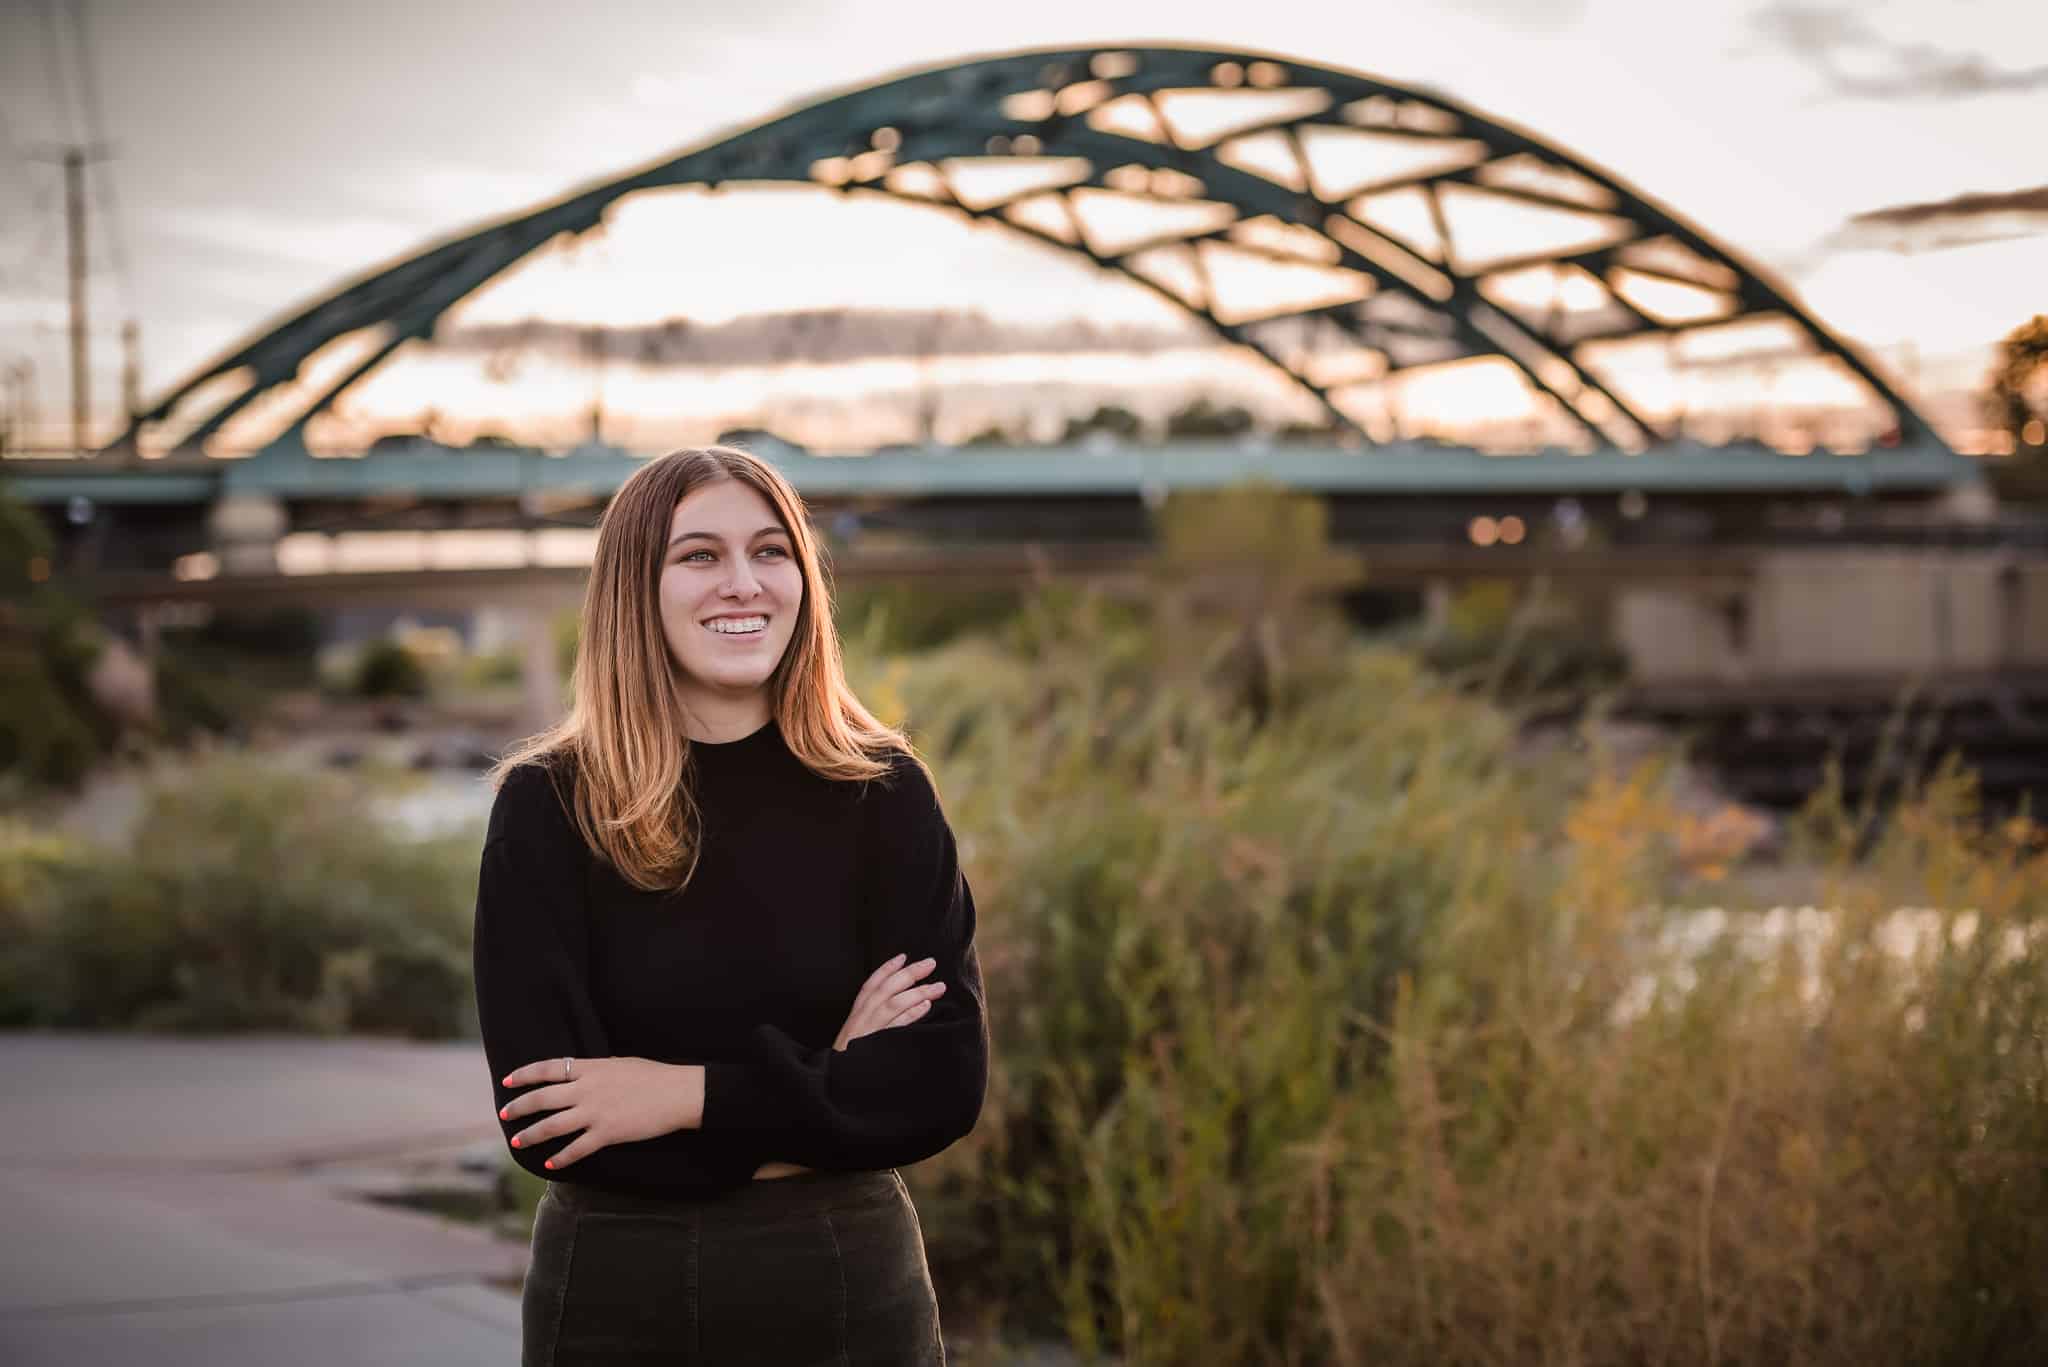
228, 219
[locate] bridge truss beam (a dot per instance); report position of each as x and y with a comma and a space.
1259, 183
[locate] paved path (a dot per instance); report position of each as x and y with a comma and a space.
162, 1204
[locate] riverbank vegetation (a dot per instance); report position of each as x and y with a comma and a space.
1358, 1035
248, 897
1335, 1022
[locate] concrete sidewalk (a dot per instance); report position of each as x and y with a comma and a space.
166, 1204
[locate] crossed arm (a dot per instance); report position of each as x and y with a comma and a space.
619, 1100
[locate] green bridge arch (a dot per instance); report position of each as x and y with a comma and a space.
1101, 121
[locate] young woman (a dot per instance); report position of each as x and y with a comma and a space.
725, 963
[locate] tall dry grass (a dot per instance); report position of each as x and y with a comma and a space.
1336, 1029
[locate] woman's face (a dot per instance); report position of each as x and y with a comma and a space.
730, 589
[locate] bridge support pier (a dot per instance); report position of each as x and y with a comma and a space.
542, 695
245, 530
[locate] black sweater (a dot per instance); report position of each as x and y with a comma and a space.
803, 886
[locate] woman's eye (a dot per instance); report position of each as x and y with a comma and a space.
688, 556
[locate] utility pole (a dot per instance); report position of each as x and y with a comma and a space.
21, 379
131, 368
74, 206
131, 386
74, 160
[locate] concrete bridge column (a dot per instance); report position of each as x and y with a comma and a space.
542, 695
244, 530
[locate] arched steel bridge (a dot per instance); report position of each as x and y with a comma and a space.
1242, 158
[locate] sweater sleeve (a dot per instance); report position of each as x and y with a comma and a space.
900, 1094
532, 956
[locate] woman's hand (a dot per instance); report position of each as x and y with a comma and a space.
889, 997
612, 1100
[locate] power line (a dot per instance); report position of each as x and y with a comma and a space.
113, 225
53, 71
15, 160
75, 159
50, 329
81, 185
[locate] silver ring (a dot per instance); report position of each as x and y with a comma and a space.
568, 1073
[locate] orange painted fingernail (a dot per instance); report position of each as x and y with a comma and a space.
549, 1165
515, 1141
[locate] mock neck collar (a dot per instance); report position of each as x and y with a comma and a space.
762, 738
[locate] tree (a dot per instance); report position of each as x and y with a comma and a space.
1258, 556
388, 670
1204, 419
1323, 430
2017, 405
996, 435
50, 733
1115, 419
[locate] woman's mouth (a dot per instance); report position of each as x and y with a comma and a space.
742, 627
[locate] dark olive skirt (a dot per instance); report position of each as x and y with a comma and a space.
817, 1268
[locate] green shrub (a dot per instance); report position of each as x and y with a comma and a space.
253, 899
893, 618
387, 669
50, 734
35, 868
1517, 644
495, 669
45, 737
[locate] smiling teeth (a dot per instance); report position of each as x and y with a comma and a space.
738, 626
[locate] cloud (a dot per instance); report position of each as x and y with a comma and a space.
815, 336
1961, 220
2034, 201
1859, 62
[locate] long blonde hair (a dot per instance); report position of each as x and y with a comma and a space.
622, 735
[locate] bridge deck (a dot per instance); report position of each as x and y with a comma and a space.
1407, 468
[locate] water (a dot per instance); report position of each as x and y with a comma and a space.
437, 802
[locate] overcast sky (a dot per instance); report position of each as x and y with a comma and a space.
263, 152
